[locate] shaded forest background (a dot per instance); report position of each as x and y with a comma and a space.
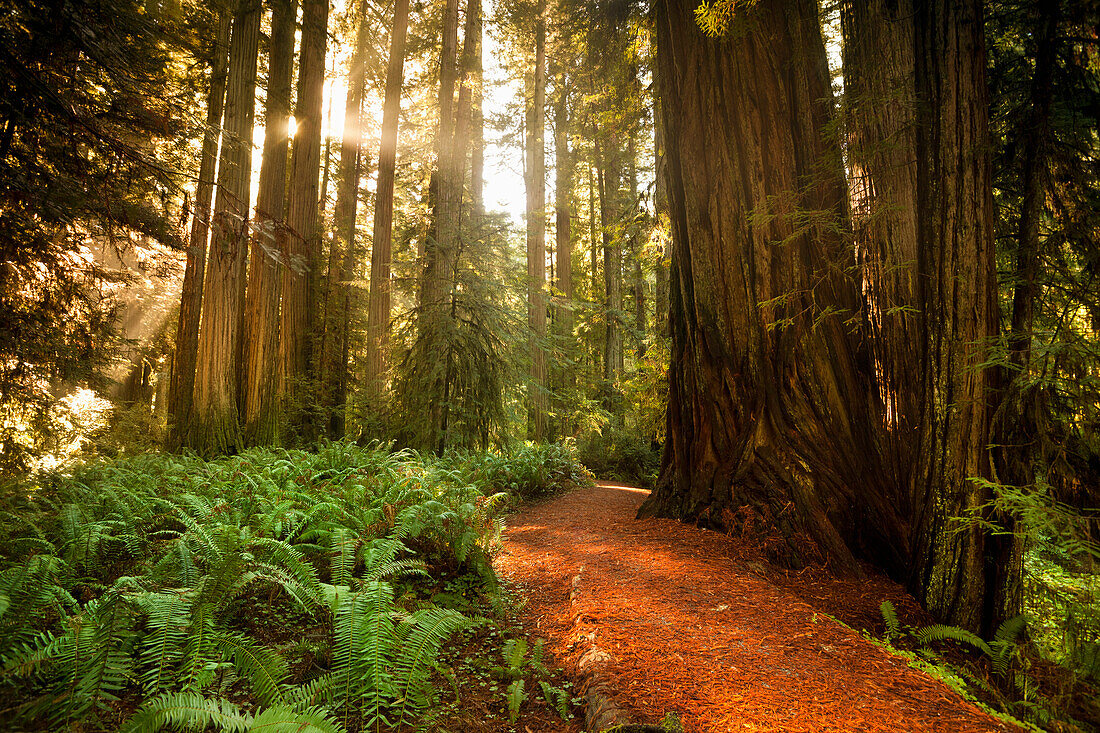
839, 264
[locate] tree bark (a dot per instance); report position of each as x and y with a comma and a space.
660, 288
214, 428
303, 234
181, 391
958, 297
563, 234
441, 245
260, 406
344, 254
378, 317
771, 419
477, 120
920, 158
608, 176
537, 401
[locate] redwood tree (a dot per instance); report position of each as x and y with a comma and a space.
769, 406
182, 383
303, 232
259, 413
378, 308
538, 398
214, 427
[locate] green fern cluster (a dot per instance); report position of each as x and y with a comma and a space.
145, 581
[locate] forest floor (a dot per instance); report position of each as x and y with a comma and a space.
697, 623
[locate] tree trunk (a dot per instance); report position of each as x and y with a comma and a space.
769, 405
378, 318
214, 428
955, 254
260, 408
1018, 412
923, 203
303, 235
344, 254
660, 289
638, 278
610, 229
441, 245
563, 235
477, 120
181, 391
537, 401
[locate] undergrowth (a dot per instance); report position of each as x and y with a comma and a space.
276, 590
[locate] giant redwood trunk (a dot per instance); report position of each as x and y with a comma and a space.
259, 413
919, 155
378, 307
955, 252
344, 255
181, 390
214, 427
538, 399
298, 284
770, 417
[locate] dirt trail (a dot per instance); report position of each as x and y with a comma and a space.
690, 628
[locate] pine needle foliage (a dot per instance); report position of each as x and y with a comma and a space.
171, 581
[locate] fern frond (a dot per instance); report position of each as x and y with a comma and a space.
199, 647
169, 616
363, 651
186, 710
890, 616
264, 669
939, 632
283, 719
428, 630
342, 551
1004, 643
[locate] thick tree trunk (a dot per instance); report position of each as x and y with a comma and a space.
923, 202
344, 254
958, 295
378, 309
260, 406
303, 235
537, 400
181, 391
214, 428
769, 405
563, 234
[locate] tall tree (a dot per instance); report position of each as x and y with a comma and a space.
214, 426
563, 224
303, 231
378, 317
958, 301
536, 230
259, 409
922, 185
181, 390
344, 253
768, 407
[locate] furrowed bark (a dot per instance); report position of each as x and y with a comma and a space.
260, 404
214, 428
771, 416
181, 391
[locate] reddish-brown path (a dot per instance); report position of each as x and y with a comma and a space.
690, 628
